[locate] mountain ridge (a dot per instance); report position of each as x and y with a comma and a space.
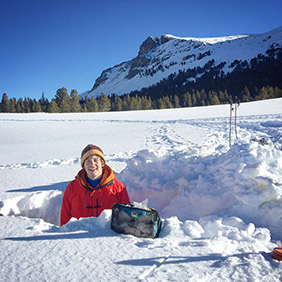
158, 58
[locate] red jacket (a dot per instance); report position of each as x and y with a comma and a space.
82, 200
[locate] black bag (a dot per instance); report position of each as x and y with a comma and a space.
143, 223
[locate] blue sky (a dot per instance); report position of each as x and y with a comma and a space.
46, 45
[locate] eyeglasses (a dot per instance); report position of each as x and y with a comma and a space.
92, 202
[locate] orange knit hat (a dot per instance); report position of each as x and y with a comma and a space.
89, 150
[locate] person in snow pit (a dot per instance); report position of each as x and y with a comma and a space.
94, 189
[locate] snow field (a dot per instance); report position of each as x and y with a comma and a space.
220, 205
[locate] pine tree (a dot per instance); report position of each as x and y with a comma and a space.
277, 92
117, 104
104, 103
74, 102
26, 104
13, 103
198, 97
5, 103
263, 94
44, 103
176, 101
213, 98
146, 103
160, 103
53, 107
187, 101
270, 92
226, 96
194, 100
65, 106
221, 97
167, 102
125, 102
92, 105
31, 105
134, 104
20, 106
37, 107
203, 98
85, 104
245, 94
63, 100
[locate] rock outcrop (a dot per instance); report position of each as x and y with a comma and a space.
149, 44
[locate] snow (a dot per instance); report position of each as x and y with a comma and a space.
220, 204
208, 40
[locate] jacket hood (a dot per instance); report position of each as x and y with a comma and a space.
107, 177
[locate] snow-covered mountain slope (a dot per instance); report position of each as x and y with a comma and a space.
158, 58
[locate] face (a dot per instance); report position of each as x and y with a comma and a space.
93, 167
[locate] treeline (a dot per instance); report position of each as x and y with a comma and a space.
67, 103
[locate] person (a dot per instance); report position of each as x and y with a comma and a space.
94, 189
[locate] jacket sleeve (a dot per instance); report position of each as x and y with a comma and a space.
123, 195
66, 207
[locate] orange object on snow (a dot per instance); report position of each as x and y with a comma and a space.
277, 253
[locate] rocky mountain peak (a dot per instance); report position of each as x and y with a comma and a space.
165, 38
149, 44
